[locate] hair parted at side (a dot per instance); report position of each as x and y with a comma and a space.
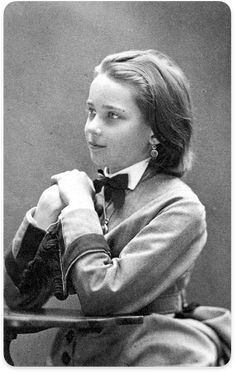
163, 96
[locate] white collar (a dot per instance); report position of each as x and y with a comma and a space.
135, 172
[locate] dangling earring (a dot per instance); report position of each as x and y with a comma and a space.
154, 152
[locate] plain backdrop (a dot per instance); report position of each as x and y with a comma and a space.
50, 50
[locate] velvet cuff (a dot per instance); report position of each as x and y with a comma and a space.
16, 264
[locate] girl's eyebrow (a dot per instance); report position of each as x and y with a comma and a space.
111, 107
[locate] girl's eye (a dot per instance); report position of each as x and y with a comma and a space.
91, 113
113, 115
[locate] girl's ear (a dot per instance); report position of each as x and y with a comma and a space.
153, 140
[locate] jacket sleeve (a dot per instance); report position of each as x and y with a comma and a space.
17, 258
161, 252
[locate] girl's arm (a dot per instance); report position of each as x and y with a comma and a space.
162, 252
161, 249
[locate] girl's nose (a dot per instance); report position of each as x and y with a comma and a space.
97, 131
94, 131
93, 127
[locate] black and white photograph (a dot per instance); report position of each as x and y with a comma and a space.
117, 184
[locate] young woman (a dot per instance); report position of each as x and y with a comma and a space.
128, 242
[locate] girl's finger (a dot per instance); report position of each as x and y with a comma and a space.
55, 178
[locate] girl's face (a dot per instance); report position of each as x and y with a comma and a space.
116, 134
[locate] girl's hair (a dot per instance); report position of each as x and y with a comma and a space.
162, 95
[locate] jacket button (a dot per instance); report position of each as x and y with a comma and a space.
66, 358
69, 336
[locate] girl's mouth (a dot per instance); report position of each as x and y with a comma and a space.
93, 145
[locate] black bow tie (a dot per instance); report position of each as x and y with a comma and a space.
114, 187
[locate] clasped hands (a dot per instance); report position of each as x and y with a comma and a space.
71, 188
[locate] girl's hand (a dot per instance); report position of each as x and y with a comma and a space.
49, 207
75, 188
